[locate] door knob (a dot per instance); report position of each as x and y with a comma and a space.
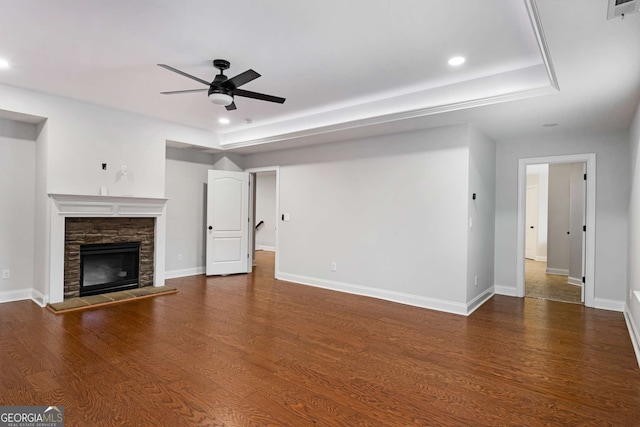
210, 228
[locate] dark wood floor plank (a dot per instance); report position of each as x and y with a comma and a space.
248, 350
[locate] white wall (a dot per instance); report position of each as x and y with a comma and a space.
18, 130
558, 220
391, 211
17, 196
266, 210
481, 235
186, 173
82, 136
633, 303
42, 224
612, 198
228, 162
186, 189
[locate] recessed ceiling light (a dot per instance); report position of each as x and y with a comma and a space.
549, 125
456, 60
223, 121
4, 63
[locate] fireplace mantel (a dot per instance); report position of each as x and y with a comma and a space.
78, 205
71, 205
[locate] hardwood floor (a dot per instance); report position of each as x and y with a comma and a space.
251, 351
539, 284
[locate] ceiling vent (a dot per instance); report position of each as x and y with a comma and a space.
622, 7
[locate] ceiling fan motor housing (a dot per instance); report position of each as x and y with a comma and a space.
221, 64
219, 89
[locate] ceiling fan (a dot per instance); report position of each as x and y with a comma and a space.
222, 89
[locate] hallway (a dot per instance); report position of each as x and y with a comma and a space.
539, 284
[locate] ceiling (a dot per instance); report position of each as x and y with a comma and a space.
347, 69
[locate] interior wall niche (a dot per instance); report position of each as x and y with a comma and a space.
93, 230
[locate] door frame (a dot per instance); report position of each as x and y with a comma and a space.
275, 169
590, 236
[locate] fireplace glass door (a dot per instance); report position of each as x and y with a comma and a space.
108, 267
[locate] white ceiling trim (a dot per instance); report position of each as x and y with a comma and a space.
534, 16
245, 138
395, 117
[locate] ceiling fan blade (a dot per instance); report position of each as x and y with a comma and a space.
231, 106
173, 92
240, 79
182, 73
260, 96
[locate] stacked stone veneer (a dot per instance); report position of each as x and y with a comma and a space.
80, 231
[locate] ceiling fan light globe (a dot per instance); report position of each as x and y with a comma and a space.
221, 99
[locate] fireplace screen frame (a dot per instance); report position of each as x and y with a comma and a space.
131, 282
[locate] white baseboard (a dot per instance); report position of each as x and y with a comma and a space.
558, 271
19, 295
475, 303
634, 332
173, 274
402, 298
23, 294
575, 281
38, 298
265, 248
541, 258
609, 304
505, 290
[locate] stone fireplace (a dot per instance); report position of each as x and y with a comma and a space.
87, 220
99, 238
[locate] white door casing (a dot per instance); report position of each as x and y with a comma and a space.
531, 238
584, 230
275, 169
590, 220
227, 233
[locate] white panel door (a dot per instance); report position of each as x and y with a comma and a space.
227, 222
531, 220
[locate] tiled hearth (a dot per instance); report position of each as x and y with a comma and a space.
103, 219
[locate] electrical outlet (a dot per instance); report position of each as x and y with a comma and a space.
179, 257
475, 280
334, 266
6, 274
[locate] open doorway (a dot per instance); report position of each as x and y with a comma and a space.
554, 233
587, 226
265, 218
265, 229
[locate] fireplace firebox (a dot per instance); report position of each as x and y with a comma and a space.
109, 267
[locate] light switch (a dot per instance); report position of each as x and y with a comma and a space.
287, 217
